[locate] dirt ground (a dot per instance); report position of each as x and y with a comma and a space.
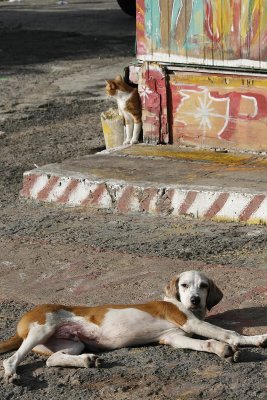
53, 62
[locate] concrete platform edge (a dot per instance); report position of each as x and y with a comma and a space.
214, 203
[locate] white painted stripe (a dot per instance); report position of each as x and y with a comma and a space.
154, 201
165, 57
39, 185
261, 212
134, 201
105, 200
81, 192
202, 203
59, 189
178, 199
234, 205
118, 191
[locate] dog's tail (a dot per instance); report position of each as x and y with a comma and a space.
10, 344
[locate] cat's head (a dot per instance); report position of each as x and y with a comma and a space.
113, 85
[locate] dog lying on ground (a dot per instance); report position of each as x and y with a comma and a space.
63, 333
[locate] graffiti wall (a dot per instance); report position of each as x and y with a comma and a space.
210, 32
206, 109
219, 110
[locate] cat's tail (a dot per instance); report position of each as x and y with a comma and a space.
12, 343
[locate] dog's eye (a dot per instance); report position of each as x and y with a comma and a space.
185, 285
204, 285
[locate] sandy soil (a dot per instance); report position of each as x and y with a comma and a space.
53, 62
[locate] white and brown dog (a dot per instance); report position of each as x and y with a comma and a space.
63, 332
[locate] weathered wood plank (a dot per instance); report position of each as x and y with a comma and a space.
210, 32
153, 95
141, 36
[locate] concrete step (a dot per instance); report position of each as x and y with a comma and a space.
158, 180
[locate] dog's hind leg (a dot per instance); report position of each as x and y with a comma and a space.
36, 335
70, 355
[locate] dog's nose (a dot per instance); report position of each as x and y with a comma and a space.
195, 300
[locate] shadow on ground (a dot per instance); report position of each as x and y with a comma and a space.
238, 319
54, 36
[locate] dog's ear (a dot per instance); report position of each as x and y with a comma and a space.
171, 289
214, 295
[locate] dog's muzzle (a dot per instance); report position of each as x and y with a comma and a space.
195, 300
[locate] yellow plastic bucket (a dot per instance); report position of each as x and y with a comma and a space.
113, 128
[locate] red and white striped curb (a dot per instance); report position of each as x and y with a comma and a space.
125, 197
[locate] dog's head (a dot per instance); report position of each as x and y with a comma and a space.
195, 291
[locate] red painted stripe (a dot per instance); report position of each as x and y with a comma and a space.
252, 207
148, 195
44, 193
94, 196
28, 183
64, 198
123, 204
188, 201
217, 205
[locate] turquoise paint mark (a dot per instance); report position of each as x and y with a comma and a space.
152, 22
194, 32
195, 29
156, 32
148, 19
176, 8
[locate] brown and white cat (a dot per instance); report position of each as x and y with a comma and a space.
128, 106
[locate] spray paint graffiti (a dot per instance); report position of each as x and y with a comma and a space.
207, 112
198, 108
211, 32
219, 111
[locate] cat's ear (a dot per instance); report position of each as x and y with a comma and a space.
119, 78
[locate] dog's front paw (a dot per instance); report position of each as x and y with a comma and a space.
263, 341
11, 378
10, 375
91, 360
